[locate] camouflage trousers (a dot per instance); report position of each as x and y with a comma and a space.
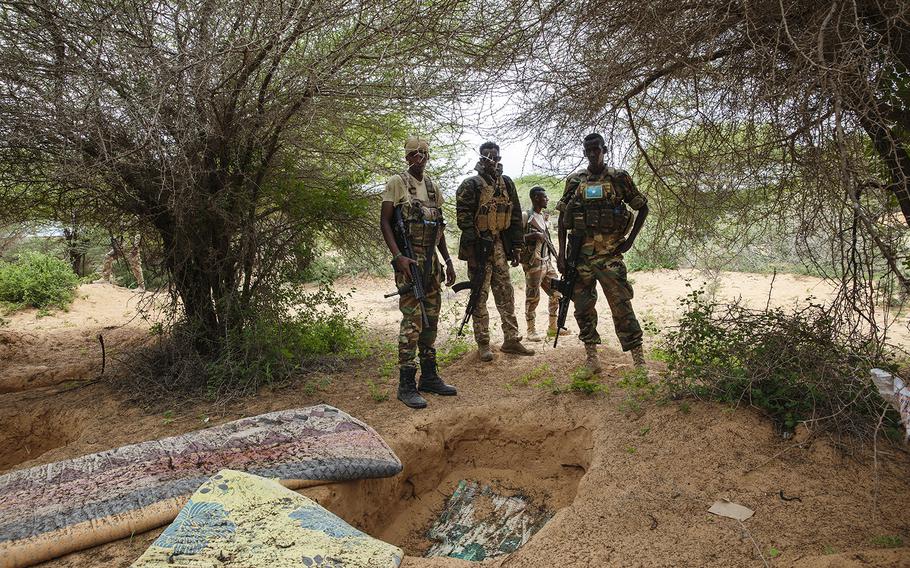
539, 275
499, 281
133, 258
412, 335
610, 271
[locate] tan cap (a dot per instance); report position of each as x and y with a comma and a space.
414, 144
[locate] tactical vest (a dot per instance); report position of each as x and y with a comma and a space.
494, 212
423, 219
600, 209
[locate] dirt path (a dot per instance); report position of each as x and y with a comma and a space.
631, 479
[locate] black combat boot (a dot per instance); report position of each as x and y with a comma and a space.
407, 388
430, 380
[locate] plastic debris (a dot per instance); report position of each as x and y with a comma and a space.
479, 523
895, 392
731, 510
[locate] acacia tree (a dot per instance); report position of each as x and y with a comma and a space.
216, 125
807, 100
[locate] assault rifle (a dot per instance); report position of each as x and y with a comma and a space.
482, 251
415, 286
546, 237
566, 286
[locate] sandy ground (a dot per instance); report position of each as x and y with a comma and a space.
657, 300
630, 482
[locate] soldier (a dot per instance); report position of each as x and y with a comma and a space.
133, 258
487, 207
536, 262
421, 210
596, 207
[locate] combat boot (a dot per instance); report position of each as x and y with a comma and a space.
515, 346
638, 357
407, 389
430, 381
532, 332
484, 352
592, 362
551, 332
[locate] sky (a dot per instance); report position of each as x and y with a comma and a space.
519, 153
519, 150
518, 156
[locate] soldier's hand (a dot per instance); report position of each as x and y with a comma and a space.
402, 264
450, 274
561, 263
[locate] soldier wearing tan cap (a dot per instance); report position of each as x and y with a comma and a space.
420, 204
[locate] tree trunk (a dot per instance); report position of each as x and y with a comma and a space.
193, 266
888, 145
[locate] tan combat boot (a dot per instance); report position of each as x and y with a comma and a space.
638, 357
484, 352
592, 363
515, 346
551, 332
532, 332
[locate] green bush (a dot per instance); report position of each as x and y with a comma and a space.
794, 366
328, 268
271, 348
300, 332
37, 280
585, 382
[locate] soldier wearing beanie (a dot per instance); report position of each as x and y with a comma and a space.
419, 201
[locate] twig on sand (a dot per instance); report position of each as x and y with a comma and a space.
757, 548
103, 355
771, 289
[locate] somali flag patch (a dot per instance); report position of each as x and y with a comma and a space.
594, 192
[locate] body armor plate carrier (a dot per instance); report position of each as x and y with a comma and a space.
494, 208
600, 209
423, 219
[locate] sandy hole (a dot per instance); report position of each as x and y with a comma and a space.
24, 437
541, 459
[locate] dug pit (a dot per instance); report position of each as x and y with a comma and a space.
538, 457
26, 436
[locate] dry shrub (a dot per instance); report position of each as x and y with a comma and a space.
796, 366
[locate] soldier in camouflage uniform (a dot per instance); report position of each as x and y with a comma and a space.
487, 207
421, 208
596, 206
536, 260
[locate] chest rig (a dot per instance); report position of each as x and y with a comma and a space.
494, 208
599, 208
423, 219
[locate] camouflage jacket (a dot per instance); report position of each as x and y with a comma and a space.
466, 201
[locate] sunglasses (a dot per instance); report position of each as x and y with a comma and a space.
494, 159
